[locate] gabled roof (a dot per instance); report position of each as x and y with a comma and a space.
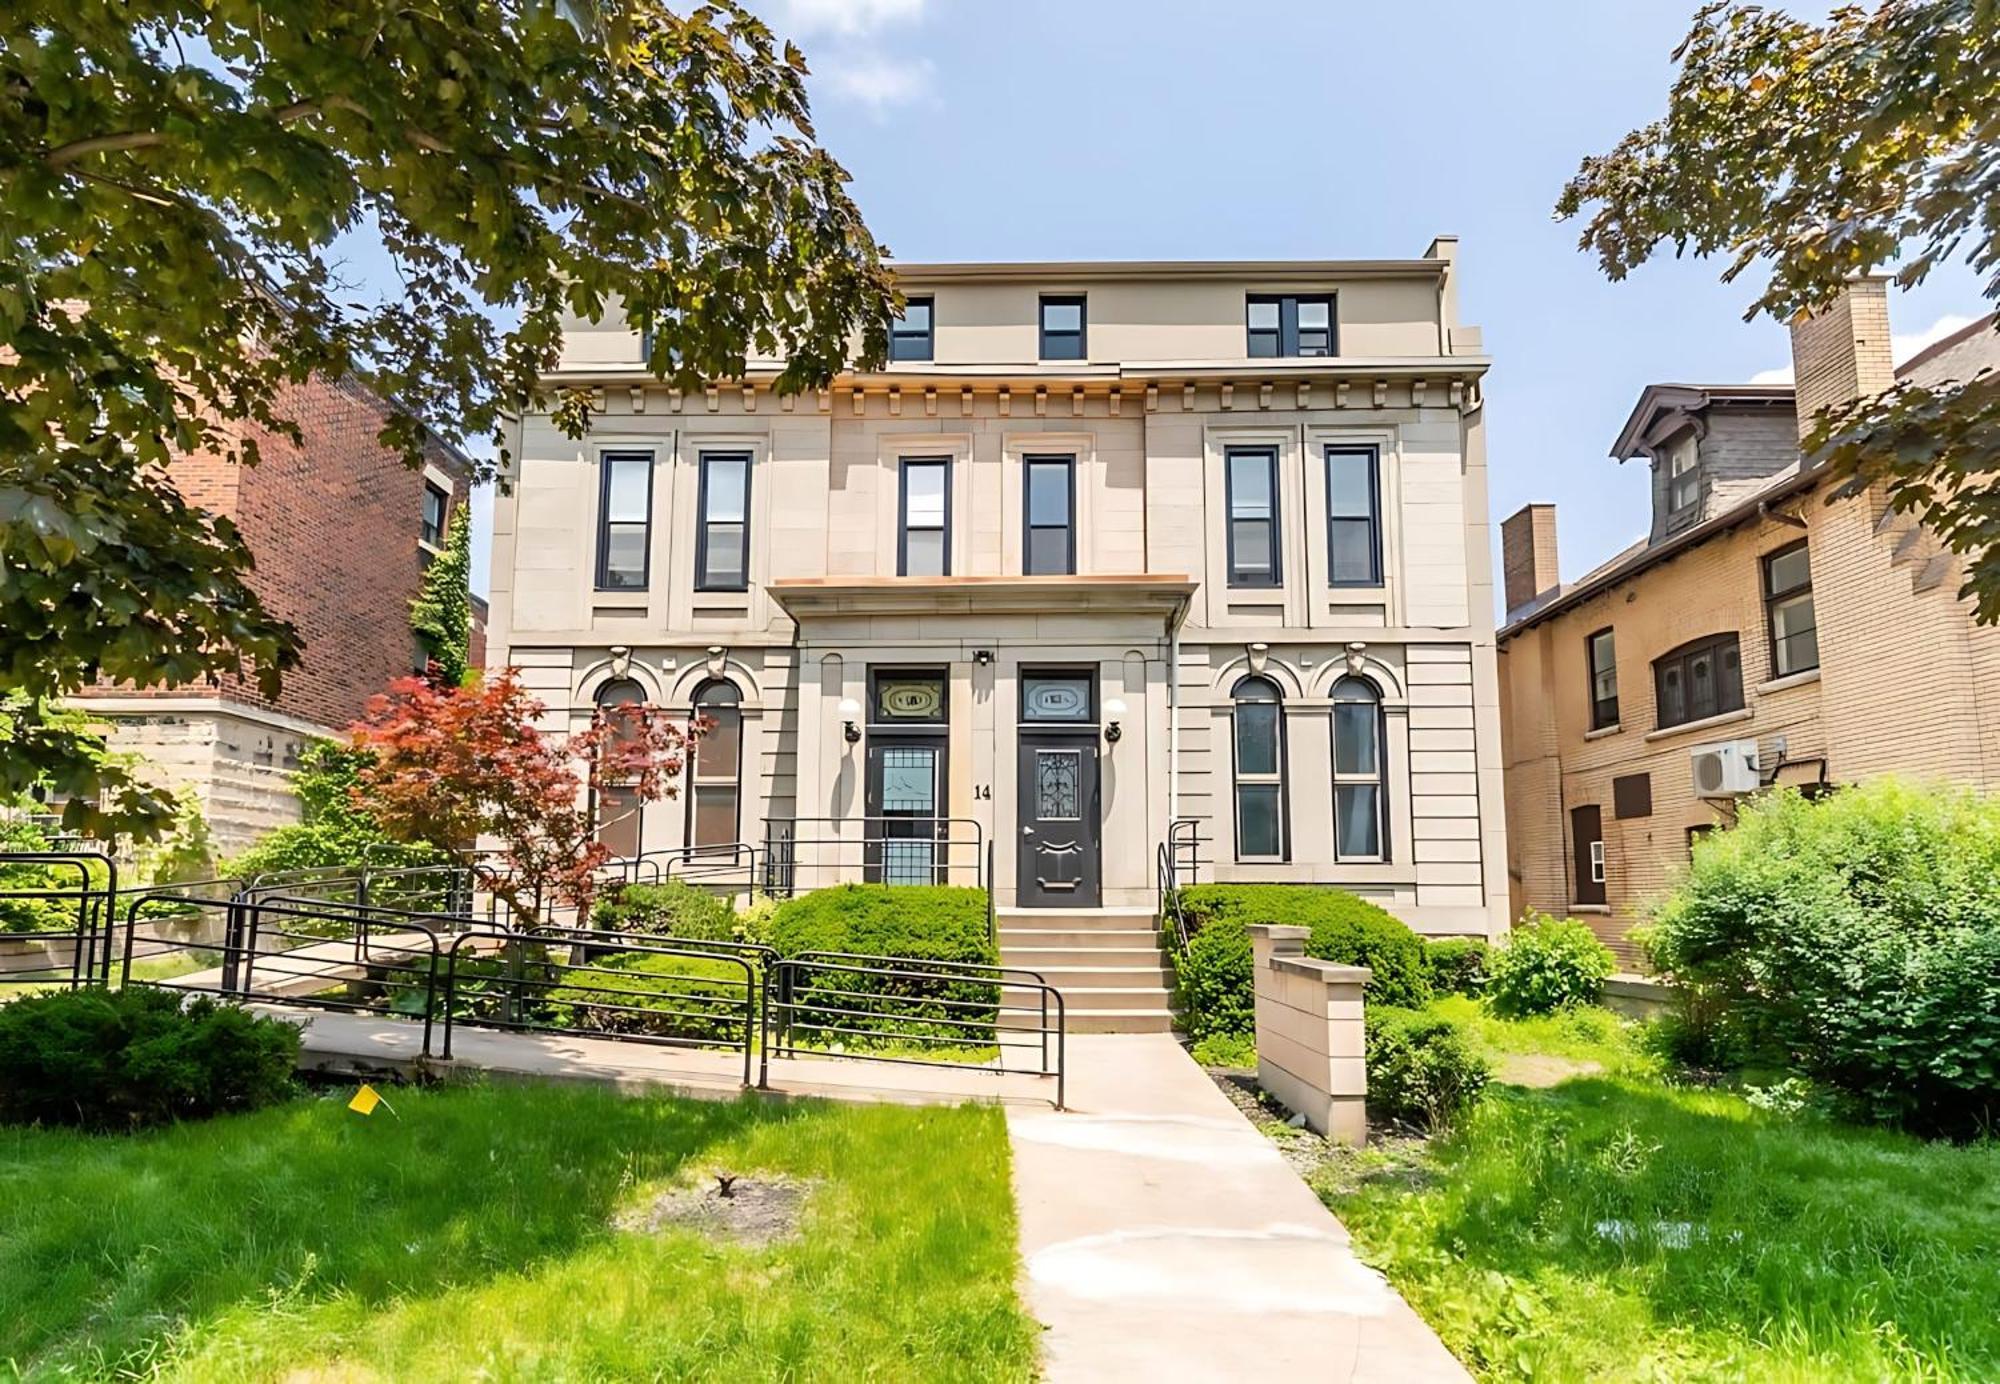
1658, 400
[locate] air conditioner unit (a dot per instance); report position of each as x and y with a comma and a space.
1726, 770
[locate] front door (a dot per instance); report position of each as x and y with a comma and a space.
1059, 863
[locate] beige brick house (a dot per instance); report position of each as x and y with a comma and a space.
1105, 548
1758, 634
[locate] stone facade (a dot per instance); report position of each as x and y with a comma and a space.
1148, 616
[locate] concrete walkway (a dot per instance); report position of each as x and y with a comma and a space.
1165, 1238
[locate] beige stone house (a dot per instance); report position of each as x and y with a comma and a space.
1757, 634
1107, 553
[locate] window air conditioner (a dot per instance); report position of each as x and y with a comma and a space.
1726, 770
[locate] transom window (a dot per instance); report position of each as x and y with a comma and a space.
716, 768
1788, 607
1683, 475
1063, 327
1260, 778
1048, 487
1251, 476
1353, 517
1602, 650
1290, 325
1698, 680
624, 520
435, 504
910, 334
925, 546
1358, 800
722, 537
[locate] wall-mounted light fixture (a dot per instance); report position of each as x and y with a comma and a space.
1114, 708
982, 657
850, 712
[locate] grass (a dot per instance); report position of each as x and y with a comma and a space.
469, 1235
1619, 1227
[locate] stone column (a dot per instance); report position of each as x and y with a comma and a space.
1309, 1033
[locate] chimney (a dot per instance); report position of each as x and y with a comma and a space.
1528, 555
1843, 353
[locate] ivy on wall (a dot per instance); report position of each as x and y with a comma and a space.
441, 612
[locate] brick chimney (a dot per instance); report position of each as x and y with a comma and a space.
1528, 555
1843, 353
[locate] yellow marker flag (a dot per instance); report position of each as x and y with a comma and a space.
365, 1100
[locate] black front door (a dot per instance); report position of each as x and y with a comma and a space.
1059, 859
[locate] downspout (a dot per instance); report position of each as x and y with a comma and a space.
1174, 623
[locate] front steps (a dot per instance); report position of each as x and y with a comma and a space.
1106, 963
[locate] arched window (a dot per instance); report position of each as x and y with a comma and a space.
1260, 770
620, 813
1358, 800
716, 767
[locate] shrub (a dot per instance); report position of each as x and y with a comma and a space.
1422, 1069
1345, 929
124, 1059
1457, 965
1226, 1050
753, 919
678, 997
673, 908
1215, 985
1858, 938
1546, 965
62, 909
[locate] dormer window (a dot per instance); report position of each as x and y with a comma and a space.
910, 334
1062, 327
1289, 325
1683, 475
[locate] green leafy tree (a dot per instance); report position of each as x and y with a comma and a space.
1821, 151
441, 614
178, 179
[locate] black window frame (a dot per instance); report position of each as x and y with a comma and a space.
703, 581
1692, 475
907, 344
1773, 598
1682, 658
700, 788
603, 790
1241, 577
1257, 683
1373, 518
1285, 341
434, 535
606, 460
1028, 526
943, 464
1600, 717
1082, 334
1354, 690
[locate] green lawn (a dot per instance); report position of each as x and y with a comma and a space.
1618, 1227
472, 1237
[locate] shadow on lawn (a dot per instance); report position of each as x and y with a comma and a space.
109, 1245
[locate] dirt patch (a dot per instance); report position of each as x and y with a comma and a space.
1393, 1153
754, 1211
1541, 1070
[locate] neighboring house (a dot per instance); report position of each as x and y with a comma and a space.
341, 531
1758, 634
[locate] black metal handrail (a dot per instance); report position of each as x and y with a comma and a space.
942, 850
95, 908
1181, 851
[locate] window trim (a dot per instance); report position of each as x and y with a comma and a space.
443, 495
702, 581
1028, 462
1693, 473
695, 784
599, 785
1275, 576
902, 338
1238, 782
1772, 599
903, 465
605, 459
1288, 324
1683, 654
1376, 577
1379, 780
1598, 720
1044, 303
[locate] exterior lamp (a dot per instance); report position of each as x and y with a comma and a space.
850, 710
1113, 709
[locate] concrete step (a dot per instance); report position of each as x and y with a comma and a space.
1149, 998
1061, 958
1076, 919
1022, 943
1108, 1021
1102, 977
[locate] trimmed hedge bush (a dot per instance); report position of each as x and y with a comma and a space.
1547, 964
673, 908
125, 1059
1857, 939
659, 996
1214, 976
1457, 965
1422, 1069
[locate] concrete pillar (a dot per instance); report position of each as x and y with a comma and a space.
1310, 1044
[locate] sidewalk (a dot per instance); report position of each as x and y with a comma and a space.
1165, 1238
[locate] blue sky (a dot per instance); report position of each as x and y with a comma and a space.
1138, 129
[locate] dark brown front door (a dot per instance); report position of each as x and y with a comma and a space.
1586, 830
1059, 865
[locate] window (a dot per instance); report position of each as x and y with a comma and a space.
624, 520
1049, 515
924, 549
620, 812
1260, 778
1698, 680
1286, 325
1359, 804
910, 334
716, 765
1683, 475
436, 501
1586, 831
722, 538
1602, 650
1788, 610
1062, 328
1251, 475
1353, 517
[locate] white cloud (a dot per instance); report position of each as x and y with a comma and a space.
876, 80
1902, 345
847, 18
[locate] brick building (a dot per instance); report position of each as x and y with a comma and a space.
1762, 632
341, 531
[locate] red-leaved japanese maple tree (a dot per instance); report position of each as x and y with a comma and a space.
452, 764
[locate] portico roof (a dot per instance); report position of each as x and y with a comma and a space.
1159, 595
